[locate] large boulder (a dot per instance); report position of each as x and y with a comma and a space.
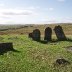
36, 35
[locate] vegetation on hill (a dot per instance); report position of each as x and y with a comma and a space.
32, 56
25, 29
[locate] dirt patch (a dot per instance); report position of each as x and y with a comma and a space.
69, 48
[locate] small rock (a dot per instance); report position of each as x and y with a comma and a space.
61, 61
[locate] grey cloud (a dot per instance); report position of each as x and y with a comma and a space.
12, 13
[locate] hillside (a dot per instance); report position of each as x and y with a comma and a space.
25, 29
32, 56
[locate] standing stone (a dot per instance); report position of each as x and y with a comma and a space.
30, 35
48, 34
4, 47
36, 35
59, 33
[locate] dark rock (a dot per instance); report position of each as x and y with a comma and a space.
59, 33
4, 47
36, 35
61, 61
48, 34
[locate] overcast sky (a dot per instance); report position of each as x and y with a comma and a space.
35, 11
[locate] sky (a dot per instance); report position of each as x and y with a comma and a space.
35, 11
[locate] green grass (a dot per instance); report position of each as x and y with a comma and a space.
34, 56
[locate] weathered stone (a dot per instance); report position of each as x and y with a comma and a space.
59, 33
48, 34
36, 35
30, 35
4, 47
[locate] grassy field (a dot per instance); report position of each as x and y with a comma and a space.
32, 56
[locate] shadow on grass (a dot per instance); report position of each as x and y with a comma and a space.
43, 41
67, 39
54, 41
5, 51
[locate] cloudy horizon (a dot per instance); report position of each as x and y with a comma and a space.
35, 11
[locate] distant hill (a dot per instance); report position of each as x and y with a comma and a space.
25, 29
